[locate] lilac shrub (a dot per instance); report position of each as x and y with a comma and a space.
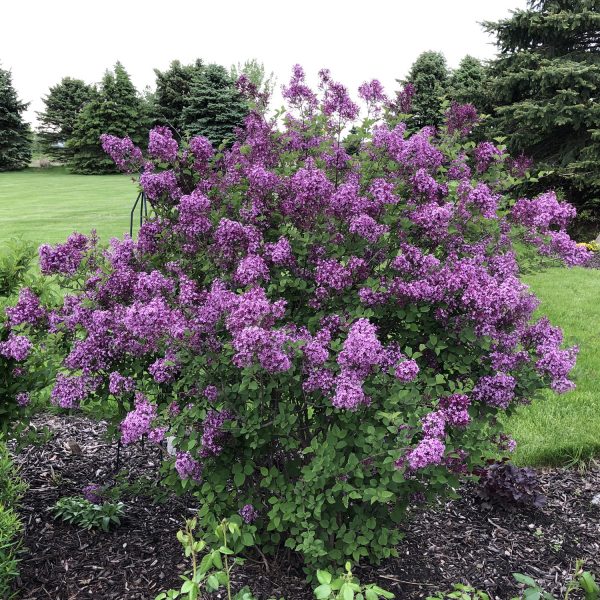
324, 335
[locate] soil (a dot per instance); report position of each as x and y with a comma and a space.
464, 540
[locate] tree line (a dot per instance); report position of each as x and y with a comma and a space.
540, 95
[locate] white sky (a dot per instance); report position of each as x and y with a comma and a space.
42, 41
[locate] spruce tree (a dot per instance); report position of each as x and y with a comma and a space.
215, 106
63, 103
546, 84
429, 76
116, 109
15, 136
172, 93
468, 83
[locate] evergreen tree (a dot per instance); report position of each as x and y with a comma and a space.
546, 83
215, 106
429, 76
63, 103
115, 109
468, 83
15, 136
172, 93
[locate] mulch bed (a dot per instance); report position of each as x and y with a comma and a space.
459, 541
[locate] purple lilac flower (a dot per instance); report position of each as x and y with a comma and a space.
155, 185
93, 493
407, 370
187, 467
367, 227
495, 390
117, 384
27, 310
455, 411
485, 153
137, 423
349, 393
126, 155
212, 432
251, 269
22, 399
461, 118
211, 393
157, 435
161, 144
70, 390
202, 150
248, 513
429, 451
63, 259
17, 347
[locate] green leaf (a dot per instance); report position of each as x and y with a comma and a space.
323, 591
524, 579
324, 577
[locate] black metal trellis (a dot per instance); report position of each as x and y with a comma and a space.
142, 200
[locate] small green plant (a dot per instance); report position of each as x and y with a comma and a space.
581, 580
213, 571
460, 592
86, 514
10, 543
347, 587
11, 528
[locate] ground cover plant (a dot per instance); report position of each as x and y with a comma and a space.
327, 337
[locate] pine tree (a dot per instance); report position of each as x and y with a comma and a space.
468, 83
215, 106
116, 109
63, 103
15, 136
546, 86
429, 75
172, 93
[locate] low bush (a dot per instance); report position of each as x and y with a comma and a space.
325, 337
89, 515
505, 483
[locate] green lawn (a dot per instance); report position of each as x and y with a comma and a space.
46, 205
561, 429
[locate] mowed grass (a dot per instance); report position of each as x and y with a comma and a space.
46, 205
565, 429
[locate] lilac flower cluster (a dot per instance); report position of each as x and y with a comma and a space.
187, 467
63, 259
137, 423
126, 155
93, 493
27, 310
461, 118
212, 432
17, 347
161, 144
248, 513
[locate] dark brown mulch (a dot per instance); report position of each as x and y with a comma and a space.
461, 541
